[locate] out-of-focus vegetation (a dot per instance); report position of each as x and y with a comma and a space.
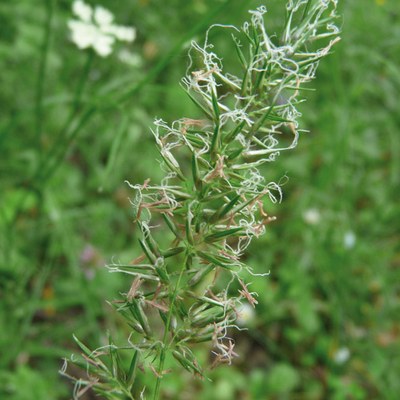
74, 127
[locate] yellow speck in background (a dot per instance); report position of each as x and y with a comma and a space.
380, 2
48, 296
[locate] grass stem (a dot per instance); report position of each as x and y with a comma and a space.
42, 69
164, 347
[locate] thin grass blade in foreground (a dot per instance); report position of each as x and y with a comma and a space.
212, 199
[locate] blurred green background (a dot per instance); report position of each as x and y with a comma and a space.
74, 127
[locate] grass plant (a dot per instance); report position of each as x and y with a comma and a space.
215, 207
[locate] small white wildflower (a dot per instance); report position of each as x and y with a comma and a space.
124, 33
102, 16
83, 35
82, 10
95, 29
245, 314
349, 239
312, 216
341, 355
129, 58
103, 45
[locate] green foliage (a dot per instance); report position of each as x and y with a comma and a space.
64, 210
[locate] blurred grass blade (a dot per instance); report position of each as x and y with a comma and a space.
131, 375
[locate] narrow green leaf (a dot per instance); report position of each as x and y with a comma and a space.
239, 52
117, 368
164, 317
211, 258
215, 104
130, 377
187, 360
208, 316
173, 251
141, 317
115, 147
85, 349
225, 209
196, 174
171, 226
151, 243
235, 153
305, 11
215, 140
194, 140
231, 135
245, 82
201, 338
179, 195
152, 258
201, 106
249, 38
240, 206
274, 117
136, 327
161, 270
220, 195
260, 77
180, 308
222, 234
173, 167
200, 274
200, 307
183, 361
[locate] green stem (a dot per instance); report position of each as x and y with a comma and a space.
165, 346
306, 8
61, 143
82, 83
42, 69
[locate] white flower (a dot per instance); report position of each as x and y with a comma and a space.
103, 45
82, 34
349, 240
102, 16
312, 216
95, 29
82, 10
341, 355
124, 33
132, 59
245, 314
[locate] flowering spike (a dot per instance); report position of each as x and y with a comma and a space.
216, 214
